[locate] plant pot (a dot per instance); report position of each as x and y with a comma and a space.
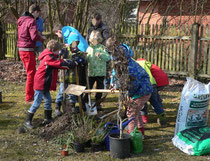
88, 143
95, 147
64, 152
119, 148
79, 147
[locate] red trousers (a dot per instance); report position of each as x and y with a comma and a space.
135, 111
29, 60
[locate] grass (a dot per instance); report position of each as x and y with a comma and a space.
28, 146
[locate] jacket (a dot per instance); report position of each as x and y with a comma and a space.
147, 67
97, 66
40, 28
102, 28
47, 72
140, 84
158, 74
27, 31
69, 33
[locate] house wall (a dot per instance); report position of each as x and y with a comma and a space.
170, 10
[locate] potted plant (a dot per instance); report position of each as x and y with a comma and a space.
120, 143
82, 131
98, 140
64, 152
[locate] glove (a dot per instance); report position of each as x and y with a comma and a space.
80, 60
63, 52
71, 64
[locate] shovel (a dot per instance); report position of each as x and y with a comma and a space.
89, 110
78, 90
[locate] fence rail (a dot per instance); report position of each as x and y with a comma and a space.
178, 50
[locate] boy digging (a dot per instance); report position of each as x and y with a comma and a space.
45, 80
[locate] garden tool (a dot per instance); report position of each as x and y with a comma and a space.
64, 105
89, 109
79, 97
108, 114
78, 90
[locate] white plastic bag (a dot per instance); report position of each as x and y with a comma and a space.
193, 108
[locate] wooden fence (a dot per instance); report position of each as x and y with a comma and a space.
179, 50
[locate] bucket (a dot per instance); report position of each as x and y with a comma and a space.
120, 148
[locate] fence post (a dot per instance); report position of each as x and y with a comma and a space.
192, 63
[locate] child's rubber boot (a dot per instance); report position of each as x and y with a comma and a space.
161, 120
142, 131
58, 112
47, 117
28, 121
145, 119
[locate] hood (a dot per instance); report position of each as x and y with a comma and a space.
22, 18
45, 53
128, 50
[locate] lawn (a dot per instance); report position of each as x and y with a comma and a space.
29, 146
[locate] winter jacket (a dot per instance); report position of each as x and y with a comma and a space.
69, 34
97, 66
140, 84
27, 31
47, 72
40, 28
147, 67
158, 74
102, 28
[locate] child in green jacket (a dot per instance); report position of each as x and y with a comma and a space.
97, 56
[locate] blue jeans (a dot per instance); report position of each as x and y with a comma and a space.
38, 100
59, 97
155, 101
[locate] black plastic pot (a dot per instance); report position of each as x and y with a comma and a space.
88, 143
79, 147
97, 147
120, 148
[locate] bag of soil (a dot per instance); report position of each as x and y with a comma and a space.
193, 141
193, 108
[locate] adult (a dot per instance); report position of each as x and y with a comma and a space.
27, 37
40, 28
97, 24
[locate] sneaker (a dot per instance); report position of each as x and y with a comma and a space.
145, 119
161, 120
57, 113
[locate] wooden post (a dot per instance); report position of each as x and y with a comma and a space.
192, 62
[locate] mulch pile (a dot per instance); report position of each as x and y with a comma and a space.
60, 126
12, 71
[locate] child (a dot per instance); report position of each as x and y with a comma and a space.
155, 99
97, 56
45, 80
133, 78
70, 36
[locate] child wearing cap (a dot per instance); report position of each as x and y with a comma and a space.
132, 79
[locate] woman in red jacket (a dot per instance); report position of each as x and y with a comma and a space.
45, 80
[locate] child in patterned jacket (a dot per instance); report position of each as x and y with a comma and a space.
130, 77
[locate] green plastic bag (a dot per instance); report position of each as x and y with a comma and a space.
193, 141
136, 141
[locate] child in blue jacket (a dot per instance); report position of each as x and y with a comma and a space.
131, 77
